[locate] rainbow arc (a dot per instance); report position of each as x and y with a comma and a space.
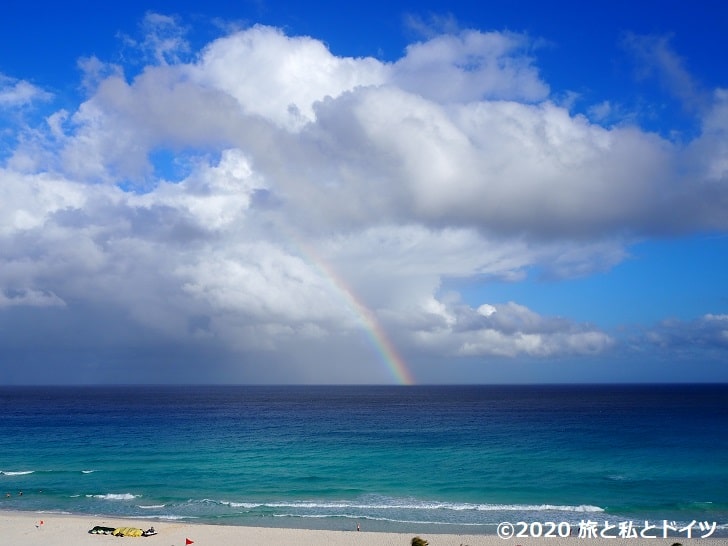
380, 340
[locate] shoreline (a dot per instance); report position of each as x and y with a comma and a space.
58, 529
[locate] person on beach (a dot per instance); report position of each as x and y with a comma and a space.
357, 526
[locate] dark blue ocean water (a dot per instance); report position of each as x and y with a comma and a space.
392, 458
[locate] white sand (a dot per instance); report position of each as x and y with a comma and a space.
24, 528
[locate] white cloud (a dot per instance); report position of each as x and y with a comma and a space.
470, 66
377, 149
655, 57
601, 111
709, 153
163, 39
280, 77
317, 184
27, 201
15, 93
708, 333
510, 330
214, 196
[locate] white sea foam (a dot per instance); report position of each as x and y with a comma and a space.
161, 516
114, 496
413, 505
395, 505
16, 472
87, 471
242, 505
372, 518
150, 506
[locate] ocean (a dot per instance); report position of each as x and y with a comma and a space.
431, 459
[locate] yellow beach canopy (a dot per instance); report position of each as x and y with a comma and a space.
127, 532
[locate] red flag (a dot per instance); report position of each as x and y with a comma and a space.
188, 541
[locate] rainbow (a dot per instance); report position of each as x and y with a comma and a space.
394, 361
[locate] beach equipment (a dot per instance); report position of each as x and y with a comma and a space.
100, 530
122, 531
127, 532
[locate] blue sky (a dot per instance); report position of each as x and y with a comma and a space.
283, 192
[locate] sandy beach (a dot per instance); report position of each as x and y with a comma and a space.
26, 529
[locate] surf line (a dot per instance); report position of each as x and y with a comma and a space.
394, 361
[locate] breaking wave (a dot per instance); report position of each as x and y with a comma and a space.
413, 505
114, 496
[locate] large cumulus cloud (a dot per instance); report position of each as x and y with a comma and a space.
307, 187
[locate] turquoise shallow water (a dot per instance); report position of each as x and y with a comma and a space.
392, 458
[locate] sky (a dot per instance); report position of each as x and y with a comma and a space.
267, 192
